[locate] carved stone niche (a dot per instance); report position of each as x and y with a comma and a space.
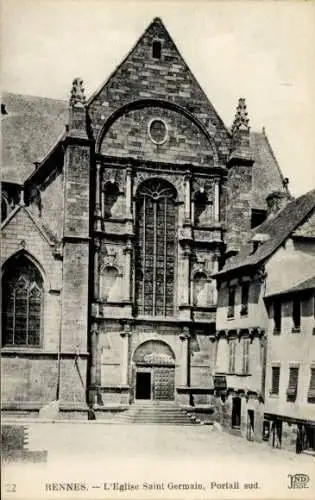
110, 259
111, 276
114, 176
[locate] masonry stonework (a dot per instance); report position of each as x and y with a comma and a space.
146, 155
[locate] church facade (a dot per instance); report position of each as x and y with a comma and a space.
111, 238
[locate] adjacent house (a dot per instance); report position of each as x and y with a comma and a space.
264, 369
290, 370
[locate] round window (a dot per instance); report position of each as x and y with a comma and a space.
157, 131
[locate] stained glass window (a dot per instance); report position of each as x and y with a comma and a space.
22, 288
156, 248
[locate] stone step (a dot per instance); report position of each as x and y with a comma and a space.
157, 412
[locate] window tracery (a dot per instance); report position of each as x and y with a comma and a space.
156, 248
22, 287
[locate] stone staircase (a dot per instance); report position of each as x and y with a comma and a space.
156, 412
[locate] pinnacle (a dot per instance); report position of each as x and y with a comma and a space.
77, 98
241, 120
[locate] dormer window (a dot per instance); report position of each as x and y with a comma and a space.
258, 239
156, 49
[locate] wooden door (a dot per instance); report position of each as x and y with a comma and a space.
163, 383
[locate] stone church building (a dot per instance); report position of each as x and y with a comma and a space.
116, 211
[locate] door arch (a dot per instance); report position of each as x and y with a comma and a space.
154, 371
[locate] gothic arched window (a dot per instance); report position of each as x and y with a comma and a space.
22, 303
156, 248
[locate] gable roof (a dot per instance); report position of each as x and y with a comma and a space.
139, 60
267, 176
307, 284
44, 231
34, 124
29, 129
275, 231
33, 127
307, 229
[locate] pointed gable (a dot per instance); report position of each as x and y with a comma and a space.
145, 75
23, 230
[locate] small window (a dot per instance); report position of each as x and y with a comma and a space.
232, 351
296, 315
277, 318
258, 217
311, 390
157, 131
275, 379
4, 208
245, 294
293, 383
156, 49
245, 363
231, 303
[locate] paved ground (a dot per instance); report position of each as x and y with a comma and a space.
97, 454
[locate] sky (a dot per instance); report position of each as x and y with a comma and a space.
263, 51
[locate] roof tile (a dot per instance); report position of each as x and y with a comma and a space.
278, 228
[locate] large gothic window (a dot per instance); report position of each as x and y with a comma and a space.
156, 248
22, 292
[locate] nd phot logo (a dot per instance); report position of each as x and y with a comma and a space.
298, 481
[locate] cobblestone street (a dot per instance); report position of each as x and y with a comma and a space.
98, 454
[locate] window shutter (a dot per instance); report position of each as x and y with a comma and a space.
232, 347
311, 390
245, 294
275, 379
293, 383
277, 317
231, 304
245, 355
296, 314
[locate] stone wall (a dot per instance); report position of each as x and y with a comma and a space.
223, 414
239, 203
140, 76
129, 136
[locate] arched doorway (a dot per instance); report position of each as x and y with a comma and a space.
154, 372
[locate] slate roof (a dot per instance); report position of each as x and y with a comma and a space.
29, 130
307, 284
267, 176
34, 124
278, 228
307, 229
